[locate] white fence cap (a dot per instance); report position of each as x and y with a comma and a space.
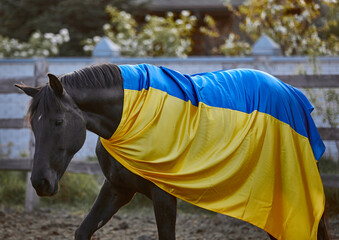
106, 49
265, 46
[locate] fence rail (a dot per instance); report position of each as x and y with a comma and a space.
326, 133
24, 164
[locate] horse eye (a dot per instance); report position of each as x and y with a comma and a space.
59, 122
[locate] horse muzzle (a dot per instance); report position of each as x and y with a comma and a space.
45, 186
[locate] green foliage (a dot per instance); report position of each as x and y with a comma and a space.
139, 201
12, 188
299, 27
233, 46
76, 190
38, 45
91, 159
210, 29
83, 19
159, 36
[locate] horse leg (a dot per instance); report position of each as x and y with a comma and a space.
165, 209
108, 202
322, 229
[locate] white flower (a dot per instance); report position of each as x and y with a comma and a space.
281, 29
64, 32
45, 52
7, 47
330, 1
54, 50
185, 13
179, 21
87, 48
157, 29
54, 41
66, 38
58, 39
20, 46
306, 13
106, 26
48, 35
171, 39
120, 35
96, 39
147, 42
193, 18
23, 54
36, 35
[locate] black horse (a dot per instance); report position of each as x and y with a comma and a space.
59, 113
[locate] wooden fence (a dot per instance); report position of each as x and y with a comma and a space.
40, 70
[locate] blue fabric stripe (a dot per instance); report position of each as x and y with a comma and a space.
240, 89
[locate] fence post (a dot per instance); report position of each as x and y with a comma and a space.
105, 50
32, 199
262, 50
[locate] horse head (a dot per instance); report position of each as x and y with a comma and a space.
59, 129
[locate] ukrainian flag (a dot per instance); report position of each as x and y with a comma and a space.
239, 142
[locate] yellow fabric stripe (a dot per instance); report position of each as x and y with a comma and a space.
249, 166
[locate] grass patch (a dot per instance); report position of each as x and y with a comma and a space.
12, 188
76, 190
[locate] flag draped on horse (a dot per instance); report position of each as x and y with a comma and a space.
238, 142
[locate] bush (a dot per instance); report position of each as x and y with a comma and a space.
159, 36
12, 188
39, 45
299, 27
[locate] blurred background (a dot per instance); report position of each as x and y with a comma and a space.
283, 38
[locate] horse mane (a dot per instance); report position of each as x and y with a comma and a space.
91, 77
95, 76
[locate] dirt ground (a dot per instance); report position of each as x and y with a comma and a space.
48, 224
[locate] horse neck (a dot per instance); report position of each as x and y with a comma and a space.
101, 108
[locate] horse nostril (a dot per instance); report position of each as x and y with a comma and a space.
45, 184
42, 186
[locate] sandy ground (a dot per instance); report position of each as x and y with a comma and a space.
47, 224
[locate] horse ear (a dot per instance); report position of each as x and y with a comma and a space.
30, 91
55, 84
